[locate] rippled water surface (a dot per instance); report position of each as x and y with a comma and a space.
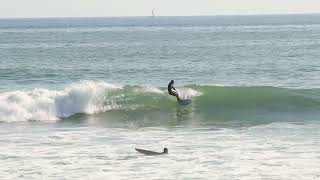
77, 95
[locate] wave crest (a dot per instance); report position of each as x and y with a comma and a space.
44, 104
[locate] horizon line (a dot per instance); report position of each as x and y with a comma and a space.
139, 16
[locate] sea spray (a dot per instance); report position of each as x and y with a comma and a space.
44, 104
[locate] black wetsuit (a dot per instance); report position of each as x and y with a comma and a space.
173, 93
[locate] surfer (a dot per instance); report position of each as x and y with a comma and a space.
172, 91
165, 151
152, 153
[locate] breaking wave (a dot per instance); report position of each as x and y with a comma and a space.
209, 102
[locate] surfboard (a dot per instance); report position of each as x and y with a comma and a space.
185, 101
149, 153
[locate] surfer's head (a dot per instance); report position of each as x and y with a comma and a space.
165, 150
172, 81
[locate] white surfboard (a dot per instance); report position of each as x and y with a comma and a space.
185, 101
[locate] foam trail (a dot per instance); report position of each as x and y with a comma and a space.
43, 104
188, 92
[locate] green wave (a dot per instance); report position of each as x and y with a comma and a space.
218, 98
214, 104
269, 98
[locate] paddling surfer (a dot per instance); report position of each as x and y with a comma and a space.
152, 153
165, 151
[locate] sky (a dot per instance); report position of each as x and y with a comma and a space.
94, 8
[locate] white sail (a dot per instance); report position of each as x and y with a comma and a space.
153, 14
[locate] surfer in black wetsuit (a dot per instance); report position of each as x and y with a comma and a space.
171, 92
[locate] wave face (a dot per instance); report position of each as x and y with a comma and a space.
258, 103
217, 103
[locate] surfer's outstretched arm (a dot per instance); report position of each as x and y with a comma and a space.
177, 95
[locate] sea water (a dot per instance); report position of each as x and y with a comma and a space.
77, 95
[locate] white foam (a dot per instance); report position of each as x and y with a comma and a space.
152, 90
44, 104
188, 92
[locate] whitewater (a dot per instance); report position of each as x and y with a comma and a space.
77, 95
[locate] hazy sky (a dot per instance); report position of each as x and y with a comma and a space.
65, 8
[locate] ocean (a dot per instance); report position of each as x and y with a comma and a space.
77, 95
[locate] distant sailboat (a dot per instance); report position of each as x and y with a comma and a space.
153, 15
